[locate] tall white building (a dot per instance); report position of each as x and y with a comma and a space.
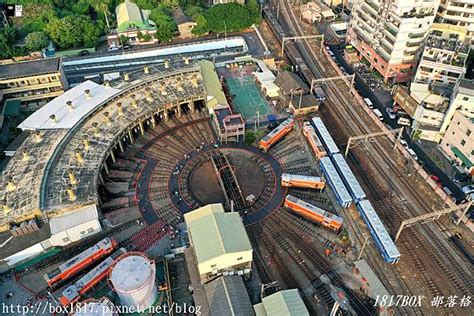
444, 56
390, 34
457, 12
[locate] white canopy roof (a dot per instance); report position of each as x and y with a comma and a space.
67, 118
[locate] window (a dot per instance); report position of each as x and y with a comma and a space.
65, 239
472, 152
239, 258
463, 142
83, 232
213, 265
468, 132
90, 230
465, 99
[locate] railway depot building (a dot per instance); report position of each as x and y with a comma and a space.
50, 186
219, 242
33, 83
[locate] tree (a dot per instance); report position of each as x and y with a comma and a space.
7, 38
193, 11
254, 9
74, 31
201, 27
36, 41
166, 28
100, 6
236, 17
123, 39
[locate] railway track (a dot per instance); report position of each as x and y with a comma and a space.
346, 114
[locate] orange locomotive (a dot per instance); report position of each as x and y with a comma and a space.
274, 136
314, 141
75, 291
313, 213
293, 180
81, 261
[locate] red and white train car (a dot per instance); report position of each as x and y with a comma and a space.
74, 265
314, 141
278, 133
74, 292
313, 213
294, 180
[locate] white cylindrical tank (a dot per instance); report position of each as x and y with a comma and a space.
133, 278
93, 307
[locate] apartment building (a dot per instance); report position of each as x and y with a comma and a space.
391, 34
444, 56
458, 141
33, 83
457, 12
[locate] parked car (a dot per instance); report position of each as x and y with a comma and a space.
403, 121
84, 52
461, 177
412, 153
391, 113
378, 114
113, 48
403, 142
127, 47
468, 189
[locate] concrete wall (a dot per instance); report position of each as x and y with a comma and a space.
225, 262
74, 234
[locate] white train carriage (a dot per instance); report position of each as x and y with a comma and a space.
335, 182
383, 241
323, 133
353, 186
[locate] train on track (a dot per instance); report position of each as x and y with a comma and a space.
335, 182
314, 141
299, 181
76, 264
75, 291
348, 177
382, 239
275, 135
313, 213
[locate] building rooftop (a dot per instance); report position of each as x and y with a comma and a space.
130, 16
212, 82
67, 116
29, 68
179, 17
282, 303
289, 81
466, 86
227, 295
35, 180
307, 100
215, 233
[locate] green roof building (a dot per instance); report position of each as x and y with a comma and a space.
131, 22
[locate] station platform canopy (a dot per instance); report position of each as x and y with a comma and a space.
67, 117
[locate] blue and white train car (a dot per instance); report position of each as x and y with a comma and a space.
349, 178
383, 241
335, 182
326, 139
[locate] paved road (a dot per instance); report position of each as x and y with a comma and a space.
423, 158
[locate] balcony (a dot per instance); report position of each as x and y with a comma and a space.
416, 35
372, 8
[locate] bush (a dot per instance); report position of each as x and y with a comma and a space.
36, 41
250, 137
228, 17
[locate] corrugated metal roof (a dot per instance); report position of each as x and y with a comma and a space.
211, 81
215, 233
67, 118
71, 219
285, 303
227, 295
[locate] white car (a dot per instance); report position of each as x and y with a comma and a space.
468, 189
391, 114
113, 48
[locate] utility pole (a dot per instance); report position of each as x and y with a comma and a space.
464, 212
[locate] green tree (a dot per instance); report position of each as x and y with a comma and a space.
7, 38
74, 31
193, 10
250, 137
123, 39
165, 25
254, 8
36, 41
201, 27
100, 6
225, 17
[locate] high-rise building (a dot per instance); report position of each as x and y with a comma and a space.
444, 56
457, 12
391, 34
